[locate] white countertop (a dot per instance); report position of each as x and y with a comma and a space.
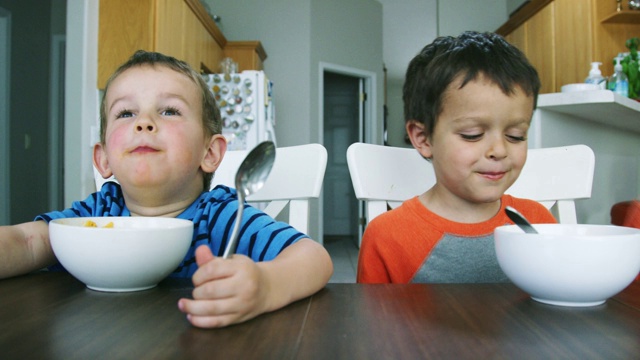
602, 106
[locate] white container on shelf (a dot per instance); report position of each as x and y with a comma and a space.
579, 87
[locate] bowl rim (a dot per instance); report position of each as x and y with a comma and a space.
619, 230
164, 223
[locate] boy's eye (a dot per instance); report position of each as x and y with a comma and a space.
513, 138
471, 137
170, 111
124, 114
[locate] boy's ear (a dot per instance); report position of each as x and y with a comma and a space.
100, 161
419, 138
214, 153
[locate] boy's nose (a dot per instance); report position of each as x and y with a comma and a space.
147, 127
145, 123
497, 150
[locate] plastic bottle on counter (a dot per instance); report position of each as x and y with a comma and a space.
595, 75
619, 82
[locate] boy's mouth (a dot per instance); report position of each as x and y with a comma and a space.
493, 175
143, 150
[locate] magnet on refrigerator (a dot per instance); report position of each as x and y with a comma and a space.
246, 107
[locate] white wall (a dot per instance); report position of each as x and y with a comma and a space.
81, 97
456, 16
408, 26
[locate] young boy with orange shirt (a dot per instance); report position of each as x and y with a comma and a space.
468, 103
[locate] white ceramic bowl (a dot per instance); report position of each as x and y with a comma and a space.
569, 265
136, 254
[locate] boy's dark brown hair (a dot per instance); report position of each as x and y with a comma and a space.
469, 55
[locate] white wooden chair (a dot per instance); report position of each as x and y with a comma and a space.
557, 177
383, 177
296, 177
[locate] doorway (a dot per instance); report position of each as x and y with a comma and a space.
35, 107
342, 111
56, 123
5, 36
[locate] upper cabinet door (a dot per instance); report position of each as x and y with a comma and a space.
179, 28
562, 37
124, 27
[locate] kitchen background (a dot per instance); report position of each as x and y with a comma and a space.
316, 49
301, 38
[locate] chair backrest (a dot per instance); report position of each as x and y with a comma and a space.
556, 177
296, 177
386, 176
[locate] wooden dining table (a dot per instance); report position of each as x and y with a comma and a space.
54, 316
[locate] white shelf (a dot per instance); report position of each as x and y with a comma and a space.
601, 106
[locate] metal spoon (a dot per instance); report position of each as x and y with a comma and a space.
520, 220
251, 176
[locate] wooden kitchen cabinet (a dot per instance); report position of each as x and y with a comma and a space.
540, 49
612, 30
562, 37
180, 28
248, 54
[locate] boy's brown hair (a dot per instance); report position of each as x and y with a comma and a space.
469, 55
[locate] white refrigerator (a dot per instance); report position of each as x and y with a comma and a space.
246, 107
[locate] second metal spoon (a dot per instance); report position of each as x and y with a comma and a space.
520, 220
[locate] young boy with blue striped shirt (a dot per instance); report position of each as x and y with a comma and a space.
161, 138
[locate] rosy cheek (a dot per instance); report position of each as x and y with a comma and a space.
115, 137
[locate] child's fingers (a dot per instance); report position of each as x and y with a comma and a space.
210, 267
203, 255
209, 313
211, 321
215, 269
218, 307
216, 289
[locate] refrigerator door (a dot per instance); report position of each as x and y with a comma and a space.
245, 106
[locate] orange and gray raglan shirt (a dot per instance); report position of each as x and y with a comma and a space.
411, 244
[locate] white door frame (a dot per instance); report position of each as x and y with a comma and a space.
367, 127
81, 98
5, 79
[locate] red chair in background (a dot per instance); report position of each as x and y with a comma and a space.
626, 213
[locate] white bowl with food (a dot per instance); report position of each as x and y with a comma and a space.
118, 254
569, 265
